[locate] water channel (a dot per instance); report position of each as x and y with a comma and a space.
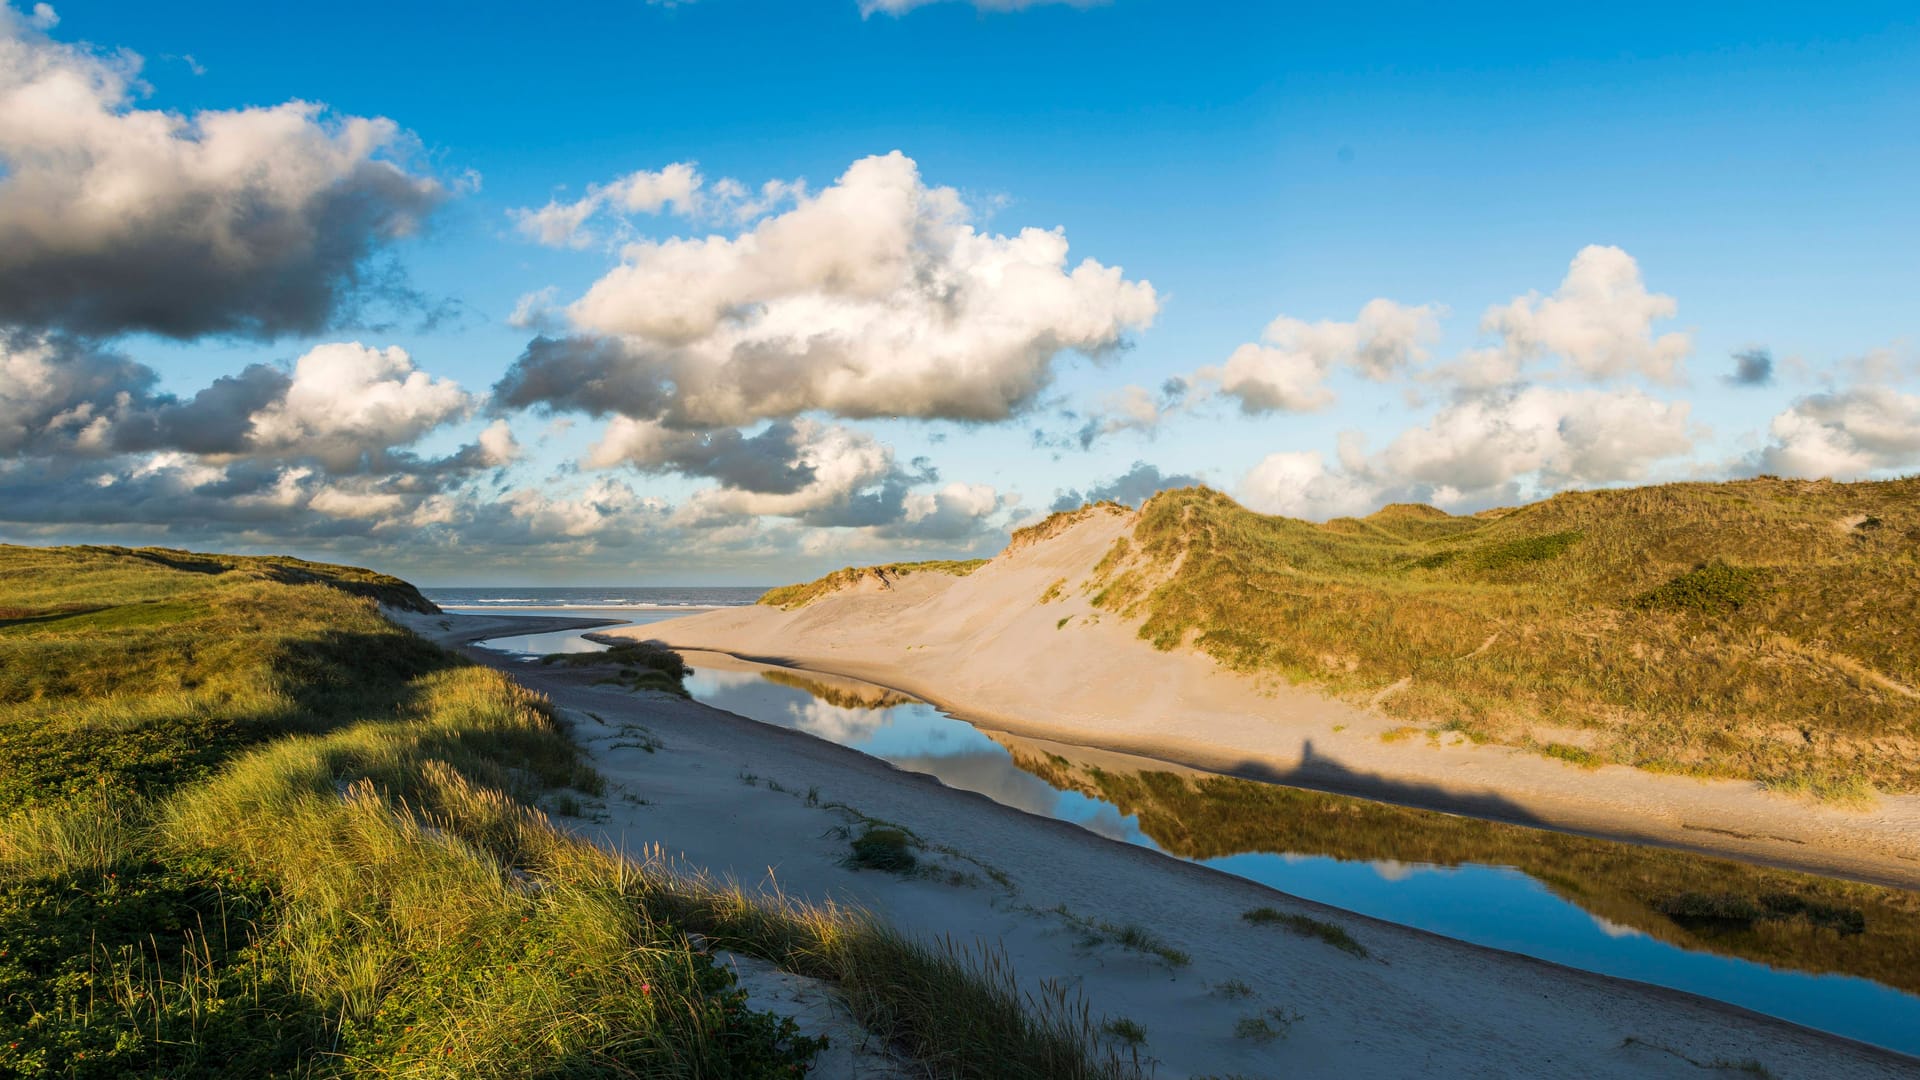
1834, 955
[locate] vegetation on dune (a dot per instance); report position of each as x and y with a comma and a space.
1306, 926
1061, 520
636, 665
788, 597
249, 826
1760, 629
1777, 917
879, 847
43, 582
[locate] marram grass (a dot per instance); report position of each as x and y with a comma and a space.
1764, 629
788, 597
248, 827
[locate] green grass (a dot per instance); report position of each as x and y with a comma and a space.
1125, 1030
882, 848
1712, 589
636, 665
1573, 755
264, 831
1758, 629
788, 597
1306, 926
1267, 1025
1519, 551
1132, 936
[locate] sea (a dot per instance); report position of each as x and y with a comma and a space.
603, 597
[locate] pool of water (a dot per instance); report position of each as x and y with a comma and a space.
1833, 955
531, 646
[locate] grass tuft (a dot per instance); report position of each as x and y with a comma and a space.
1267, 1025
1330, 933
883, 848
1127, 1031
637, 665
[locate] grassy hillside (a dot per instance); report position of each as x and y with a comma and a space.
247, 826
1767, 628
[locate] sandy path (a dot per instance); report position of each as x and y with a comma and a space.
984, 647
1418, 1005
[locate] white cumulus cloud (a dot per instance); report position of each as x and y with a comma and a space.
559, 224
874, 297
1523, 444
348, 401
1845, 435
1288, 372
1599, 321
842, 464
253, 221
1298, 483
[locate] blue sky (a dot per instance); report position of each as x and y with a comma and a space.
1748, 167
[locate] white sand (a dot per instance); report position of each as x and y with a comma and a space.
1419, 1005
984, 647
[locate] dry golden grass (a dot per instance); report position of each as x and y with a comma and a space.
788, 597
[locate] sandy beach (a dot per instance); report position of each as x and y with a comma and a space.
983, 647
740, 799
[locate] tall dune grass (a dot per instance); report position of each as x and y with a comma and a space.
793, 596
1762, 629
264, 832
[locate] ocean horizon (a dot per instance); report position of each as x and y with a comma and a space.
596, 596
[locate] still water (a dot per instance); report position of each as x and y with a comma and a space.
568, 641
626, 605
1833, 955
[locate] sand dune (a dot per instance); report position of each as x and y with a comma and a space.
986, 646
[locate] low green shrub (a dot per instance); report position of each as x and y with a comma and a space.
884, 848
1520, 551
1713, 588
